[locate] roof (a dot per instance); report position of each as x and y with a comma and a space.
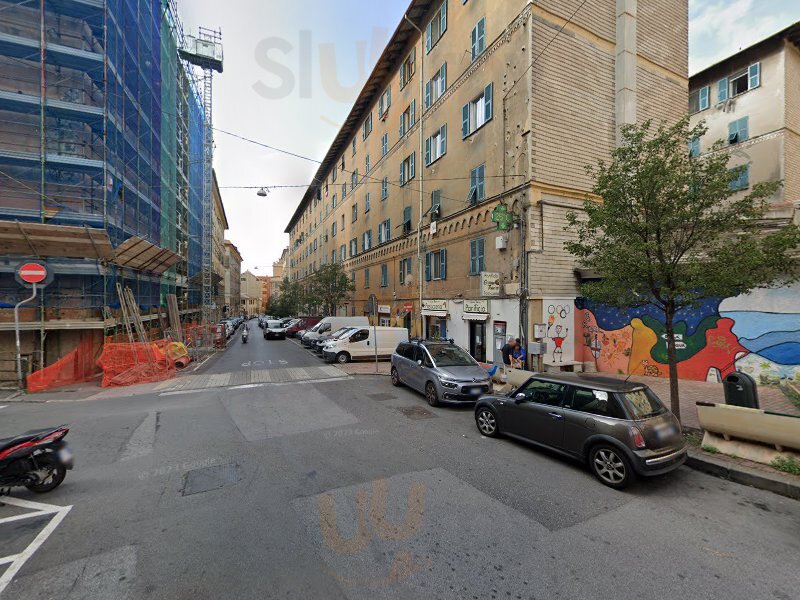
376, 82
597, 382
790, 33
233, 247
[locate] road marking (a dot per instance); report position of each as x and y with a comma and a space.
4, 406
38, 509
142, 440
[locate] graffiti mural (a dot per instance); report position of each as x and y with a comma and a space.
758, 333
560, 325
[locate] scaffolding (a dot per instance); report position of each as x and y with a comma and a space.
102, 126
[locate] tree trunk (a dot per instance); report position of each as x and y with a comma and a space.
672, 360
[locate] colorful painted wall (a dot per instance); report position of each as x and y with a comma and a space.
758, 333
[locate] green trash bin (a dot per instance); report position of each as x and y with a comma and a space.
740, 390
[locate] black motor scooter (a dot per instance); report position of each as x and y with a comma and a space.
38, 460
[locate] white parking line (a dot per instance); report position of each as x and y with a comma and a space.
4, 406
38, 509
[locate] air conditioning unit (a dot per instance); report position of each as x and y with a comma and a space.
501, 242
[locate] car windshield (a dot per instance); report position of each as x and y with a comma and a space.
643, 403
317, 326
450, 356
340, 332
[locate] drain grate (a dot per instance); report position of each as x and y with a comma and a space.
382, 396
415, 412
210, 478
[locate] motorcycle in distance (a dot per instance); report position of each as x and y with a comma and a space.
244, 335
38, 460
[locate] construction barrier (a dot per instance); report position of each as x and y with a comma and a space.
132, 363
76, 367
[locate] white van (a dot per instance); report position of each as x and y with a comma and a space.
361, 343
329, 325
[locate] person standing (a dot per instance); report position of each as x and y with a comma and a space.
507, 352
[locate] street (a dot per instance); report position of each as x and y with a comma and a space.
345, 487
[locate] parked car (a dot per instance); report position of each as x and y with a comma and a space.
300, 324
443, 371
274, 330
320, 342
620, 429
362, 342
329, 324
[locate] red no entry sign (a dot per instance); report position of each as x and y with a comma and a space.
32, 273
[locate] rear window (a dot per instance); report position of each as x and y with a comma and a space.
642, 403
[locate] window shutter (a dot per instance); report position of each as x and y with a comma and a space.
412, 113
754, 75
402, 124
482, 248
428, 151
411, 169
443, 77
443, 265
465, 121
472, 255
402, 274
427, 94
427, 266
413, 58
407, 214
722, 89
388, 96
481, 34
487, 95
402, 173
443, 19
387, 235
428, 37
402, 76
474, 42
380, 105
704, 93
443, 139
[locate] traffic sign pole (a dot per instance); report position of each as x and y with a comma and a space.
16, 328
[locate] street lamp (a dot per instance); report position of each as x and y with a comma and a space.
262, 192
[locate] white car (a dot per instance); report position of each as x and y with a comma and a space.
274, 330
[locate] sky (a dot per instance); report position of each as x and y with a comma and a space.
292, 69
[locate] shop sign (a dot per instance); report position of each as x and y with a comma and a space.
384, 308
490, 284
408, 307
434, 305
476, 306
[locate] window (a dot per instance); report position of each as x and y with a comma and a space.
596, 403
359, 336
384, 231
366, 128
742, 182
366, 203
384, 188
333, 229
384, 102
408, 118
354, 179
354, 212
353, 278
354, 152
436, 145
407, 168
405, 270
366, 164
476, 256
694, 146
699, 99
384, 144
436, 204
543, 392
738, 130
436, 27
408, 68
477, 187
739, 83
407, 220
366, 278
435, 86
384, 275
333, 174
436, 265
344, 189
333, 256
367, 240
353, 247
333, 201
479, 39
342, 252
477, 113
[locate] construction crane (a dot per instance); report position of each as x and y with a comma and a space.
205, 51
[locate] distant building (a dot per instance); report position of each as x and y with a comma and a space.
278, 273
266, 289
220, 221
250, 293
232, 283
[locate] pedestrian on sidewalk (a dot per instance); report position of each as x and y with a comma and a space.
507, 352
519, 356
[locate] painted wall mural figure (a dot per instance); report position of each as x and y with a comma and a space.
555, 331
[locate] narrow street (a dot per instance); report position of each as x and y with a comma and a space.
351, 488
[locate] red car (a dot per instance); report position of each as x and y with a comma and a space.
304, 323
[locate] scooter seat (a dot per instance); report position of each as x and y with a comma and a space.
25, 437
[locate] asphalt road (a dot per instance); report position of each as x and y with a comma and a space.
350, 488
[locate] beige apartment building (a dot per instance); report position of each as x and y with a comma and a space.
278, 272
251, 293
220, 225
232, 281
475, 108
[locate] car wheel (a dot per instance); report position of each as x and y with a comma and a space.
396, 378
611, 466
486, 420
342, 358
431, 395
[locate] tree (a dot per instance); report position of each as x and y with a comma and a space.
290, 298
330, 286
672, 228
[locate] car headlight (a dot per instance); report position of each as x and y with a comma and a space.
447, 383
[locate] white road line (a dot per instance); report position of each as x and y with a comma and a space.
5, 405
30, 515
17, 560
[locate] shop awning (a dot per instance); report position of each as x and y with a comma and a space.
44, 240
136, 253
434, 313
475, 316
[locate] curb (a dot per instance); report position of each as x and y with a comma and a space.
772, 482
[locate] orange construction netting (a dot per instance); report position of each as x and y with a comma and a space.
132, 363
77, 366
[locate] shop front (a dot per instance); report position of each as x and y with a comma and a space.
435, 315
476, 315
384, 315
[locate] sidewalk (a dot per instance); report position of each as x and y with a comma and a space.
366, 368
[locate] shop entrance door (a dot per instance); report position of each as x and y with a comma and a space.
477, 340
499, 342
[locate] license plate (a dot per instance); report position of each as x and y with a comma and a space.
475, 391
65, 456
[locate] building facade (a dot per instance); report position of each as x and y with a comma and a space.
266, 289
220, 225
251, 294
750, 102
478, 113
232, 281
278, 273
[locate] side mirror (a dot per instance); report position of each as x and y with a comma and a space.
419, 362
520, 398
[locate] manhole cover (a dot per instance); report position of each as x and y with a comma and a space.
210, 478
416, 412
382, 396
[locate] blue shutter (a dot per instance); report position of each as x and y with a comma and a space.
427, 94
472, 253
402, 273
443, 77
427, 266
443, 19
428, 37
754, 75
380, 234
407, 214
411, 166
388, 96
443, 139
703, 100
402, 124
402, 173
380, 105
481, 247
481, 42
427, 151
474, 47
443, 264
722, 89
412, 113
487, 95
465, 120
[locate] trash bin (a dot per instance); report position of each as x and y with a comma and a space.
740, 390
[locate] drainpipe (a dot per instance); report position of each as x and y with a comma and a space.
421, 170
